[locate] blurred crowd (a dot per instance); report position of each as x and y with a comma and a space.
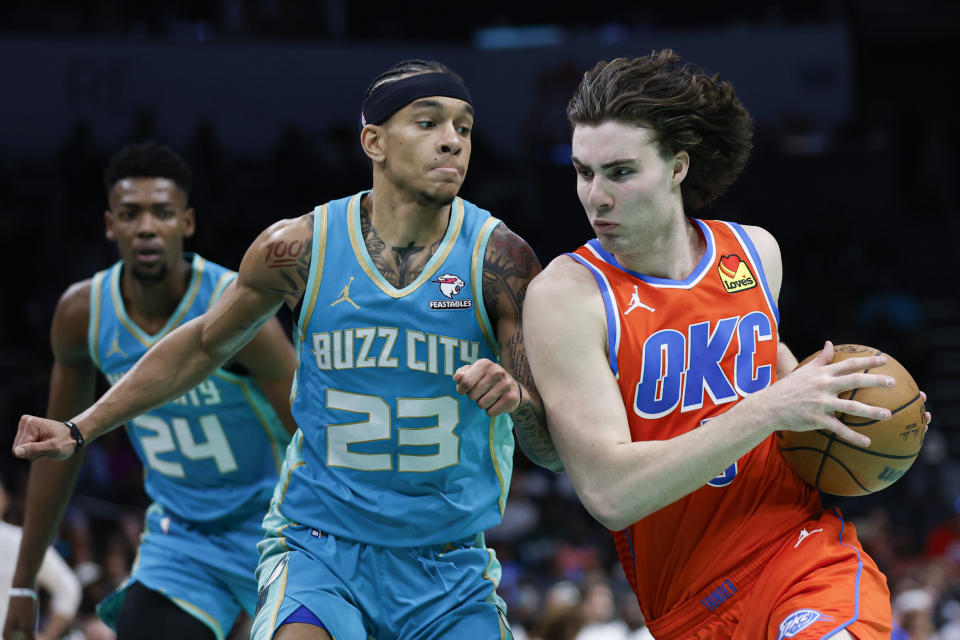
866, 216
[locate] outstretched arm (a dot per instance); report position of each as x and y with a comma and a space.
189, 354
509, 265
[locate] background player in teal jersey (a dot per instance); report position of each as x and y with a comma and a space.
211, 454
405, 297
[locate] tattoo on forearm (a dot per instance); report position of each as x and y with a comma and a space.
509, 266
530, 418
514, 354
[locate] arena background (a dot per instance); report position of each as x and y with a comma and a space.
855, 171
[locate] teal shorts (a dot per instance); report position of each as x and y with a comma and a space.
360, 591
207, 570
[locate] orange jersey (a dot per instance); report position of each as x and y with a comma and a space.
684, 352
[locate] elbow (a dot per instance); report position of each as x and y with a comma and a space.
205, 344
616, 521
606, 508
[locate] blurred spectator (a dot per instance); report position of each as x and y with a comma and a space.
913, 616
55, 577
632, 617
561, 594
524, 610
599, 607
560, 623
943, 541
950, 628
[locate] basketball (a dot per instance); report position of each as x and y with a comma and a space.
835, 466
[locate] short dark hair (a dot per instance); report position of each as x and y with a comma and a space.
148, 160
407, 68
688, 109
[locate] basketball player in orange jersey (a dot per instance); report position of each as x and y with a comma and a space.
655, 348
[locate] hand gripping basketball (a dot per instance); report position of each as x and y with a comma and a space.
812, 396
845, 467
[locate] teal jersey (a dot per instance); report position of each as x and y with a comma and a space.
387, 451
212, 453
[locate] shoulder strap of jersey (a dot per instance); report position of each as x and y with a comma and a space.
610, 307
225, 279
477, 261
93, 326
318, 252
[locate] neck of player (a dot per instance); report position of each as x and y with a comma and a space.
155, 299
669, 251
401, 220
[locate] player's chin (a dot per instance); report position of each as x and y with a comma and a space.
149, 273
612, 242
439, 195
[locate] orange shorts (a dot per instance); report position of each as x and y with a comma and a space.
818, 582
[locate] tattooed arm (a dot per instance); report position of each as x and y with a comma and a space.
509, 265
274, 270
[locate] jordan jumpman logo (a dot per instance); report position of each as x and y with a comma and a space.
115, 348
804, 534
345, 295
635, 302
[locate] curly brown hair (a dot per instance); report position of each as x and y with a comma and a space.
689, 110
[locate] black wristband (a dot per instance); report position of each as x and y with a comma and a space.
75, 432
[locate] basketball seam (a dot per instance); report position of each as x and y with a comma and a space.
850, 473
889, 456
893, 412
823, 459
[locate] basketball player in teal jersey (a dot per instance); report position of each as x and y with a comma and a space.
411, 367
211, 454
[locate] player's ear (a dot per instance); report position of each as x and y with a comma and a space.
372, 141
108, 224
681, 164
189, 223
